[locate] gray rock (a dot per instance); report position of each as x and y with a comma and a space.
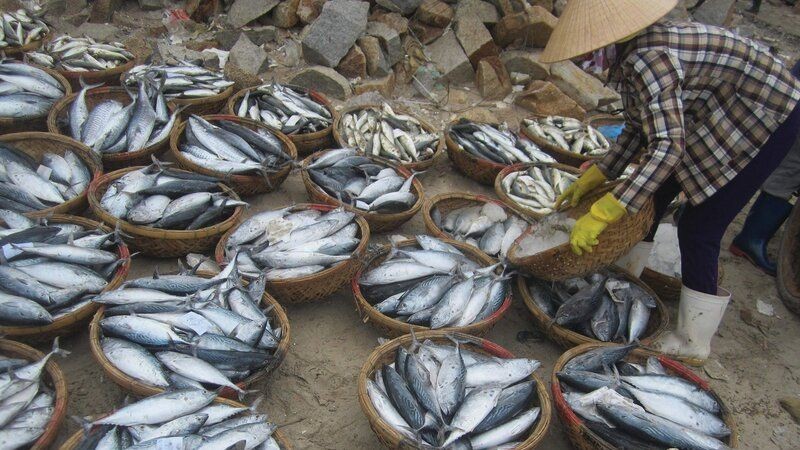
404, 7
323, 79
243, 12
714, 12
527, 62
585, 89
249, 57
99, 31
477, 8
336, 29
389, 39
165, 52
377, 65
151, 5
448, 56
257, 35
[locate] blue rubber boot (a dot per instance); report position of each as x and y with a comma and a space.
763, 221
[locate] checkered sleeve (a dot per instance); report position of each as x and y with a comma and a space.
621, 153
657, 77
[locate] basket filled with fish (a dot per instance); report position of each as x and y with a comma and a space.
385, 194
83, 58
647, 402
482, 222
436, 389
126, 129
399, 137
34, 396
197, 90
251, 157
566, 139
481, 150
189, 330
532, 189
304, 115
305, 252
165, 212
185, 419
45, 174
27, 94
429, 283
51, 271
22, 31
610, 305
544, 250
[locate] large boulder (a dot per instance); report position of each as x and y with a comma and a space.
404, 7
377, 65
477, 8
243, 12
354, 63
540, 26
585, 89
434, 13
308, 10
323, 79
527, 62
544, 98
285, 14
390, 40
492, 78
336, 29
475, 39
448, 56
248, 56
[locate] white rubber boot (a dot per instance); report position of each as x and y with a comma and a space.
699, 316
636, 259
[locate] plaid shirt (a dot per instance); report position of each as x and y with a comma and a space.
702, 100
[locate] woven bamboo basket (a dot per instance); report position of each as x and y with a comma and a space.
393, 327
560, 155
583, 438
384, 354
58, 120
418, 166
71, 322
109, 77
377, 222
13, 125
244, 185
74, 441
35, 144
129, 384
559, 263
53, 378
449, 202
789, 263
501, 193
306, 143
155, 241
317, 286
479, 169
658, 323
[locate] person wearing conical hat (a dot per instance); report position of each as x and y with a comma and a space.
715, 114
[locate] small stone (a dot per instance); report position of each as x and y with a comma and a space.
404, 7
354, 64
425, 80
425, 33
792, 406
248, 56
540, 26
492, 78
448, 56
323, 79
150, 5
715, 12
390, 40
384, 85
527, 62
475, 39
99, 31
243, 12
308, 10
336, 29
544, 98
285, 14
377, 65
585, 89
484, 11
394, 20
510, 28
434, 13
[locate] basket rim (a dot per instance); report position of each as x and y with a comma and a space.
403, 171
368, 310
575, 338
177, 133
424, 124
363, 226
384, 430
571, 419
151, 232
58, 381
549, 148
119, 277
316, 96
136, 386
53, 73
105, 73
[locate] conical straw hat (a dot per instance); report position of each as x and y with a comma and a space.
587, 25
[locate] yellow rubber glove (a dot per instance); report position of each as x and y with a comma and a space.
605, 211
590, 179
